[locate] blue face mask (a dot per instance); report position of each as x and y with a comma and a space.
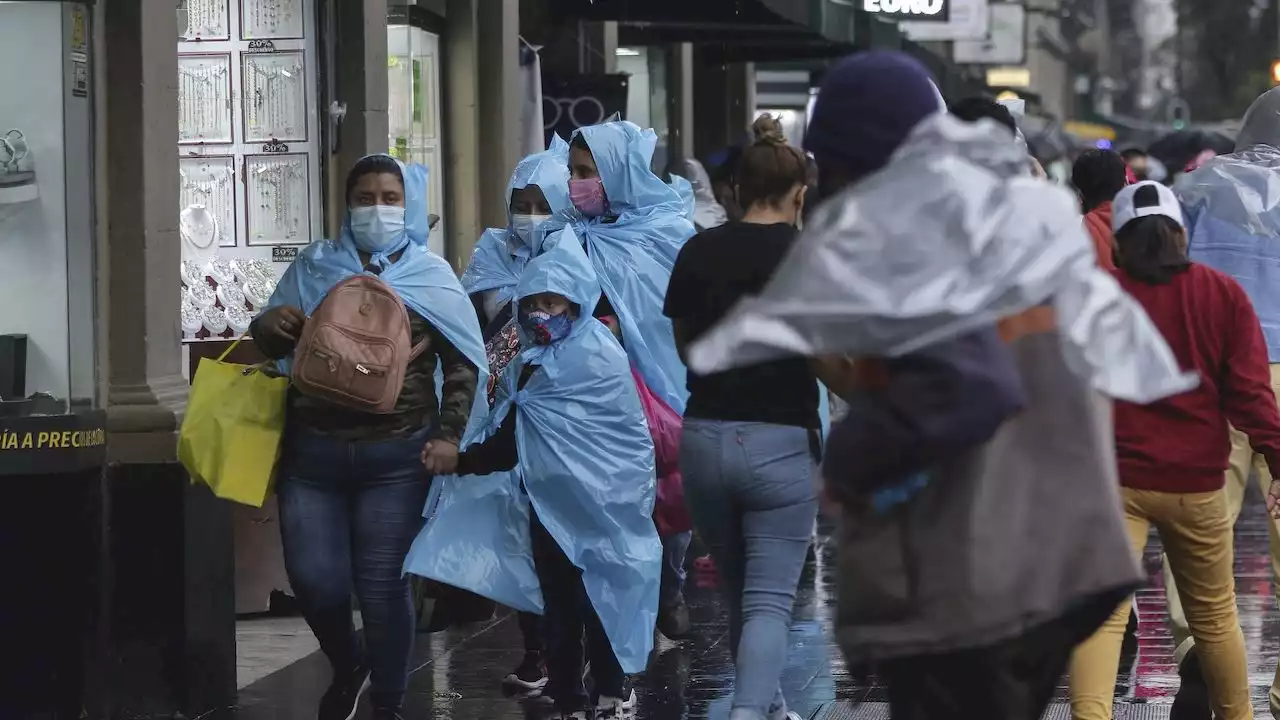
543, 328
378, 229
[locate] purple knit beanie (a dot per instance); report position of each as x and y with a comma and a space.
867, 106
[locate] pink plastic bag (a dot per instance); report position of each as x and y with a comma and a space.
669, 512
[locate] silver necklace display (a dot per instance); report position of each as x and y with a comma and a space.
272, 19
275, 96
278, 199
207, 183
199, 230
204, 99
207, 20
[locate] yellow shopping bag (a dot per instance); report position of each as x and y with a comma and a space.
230, 438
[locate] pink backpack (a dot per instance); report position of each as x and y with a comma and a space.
356, 346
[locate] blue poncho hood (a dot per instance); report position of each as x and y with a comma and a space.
586, 463
500, 254
564, 270
634, 248
423, 280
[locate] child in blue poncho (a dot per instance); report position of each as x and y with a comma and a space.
568, 420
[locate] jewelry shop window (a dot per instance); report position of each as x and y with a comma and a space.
249, 162
47, 311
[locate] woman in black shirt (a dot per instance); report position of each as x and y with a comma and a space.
751, 436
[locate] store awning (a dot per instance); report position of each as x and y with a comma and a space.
740, 30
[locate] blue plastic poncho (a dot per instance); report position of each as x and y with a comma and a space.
685, 189
425, 282
634, 249
1232, 208
500, 255
587, 464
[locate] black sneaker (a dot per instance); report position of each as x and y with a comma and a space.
1192, 700
343, 696
673, 620
529, 676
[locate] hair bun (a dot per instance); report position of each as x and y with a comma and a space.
767, 130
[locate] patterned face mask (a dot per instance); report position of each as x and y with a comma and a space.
543, 328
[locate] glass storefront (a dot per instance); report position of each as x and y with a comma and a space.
47, 279
413, 103
647, 95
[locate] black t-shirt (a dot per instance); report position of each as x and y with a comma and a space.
714, 270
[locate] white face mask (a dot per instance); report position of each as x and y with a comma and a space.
378, 228
525, 226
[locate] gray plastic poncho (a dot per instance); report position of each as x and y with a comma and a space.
1232, 207
951, 236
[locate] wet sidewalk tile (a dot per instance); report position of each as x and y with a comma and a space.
457, 674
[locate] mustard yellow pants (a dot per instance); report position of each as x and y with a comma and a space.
1243, 463
1196, 532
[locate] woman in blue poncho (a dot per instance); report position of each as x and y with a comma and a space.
634, 228
351, 483
537, 202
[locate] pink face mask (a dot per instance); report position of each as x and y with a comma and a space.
588, 196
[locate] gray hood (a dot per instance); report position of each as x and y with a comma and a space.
951, 236
1261, 122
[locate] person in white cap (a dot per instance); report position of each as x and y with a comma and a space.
1172, 454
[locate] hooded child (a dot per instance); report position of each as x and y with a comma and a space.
569, 423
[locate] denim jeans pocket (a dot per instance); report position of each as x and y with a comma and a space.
780, 461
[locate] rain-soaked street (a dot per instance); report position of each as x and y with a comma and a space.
457, 673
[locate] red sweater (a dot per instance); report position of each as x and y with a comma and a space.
1098, 222
1181, 444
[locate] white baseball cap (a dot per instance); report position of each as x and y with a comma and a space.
1143, 200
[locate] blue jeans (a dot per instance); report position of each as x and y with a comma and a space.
348, 513
751, 489
674, 549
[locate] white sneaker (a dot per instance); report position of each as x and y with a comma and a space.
614, 707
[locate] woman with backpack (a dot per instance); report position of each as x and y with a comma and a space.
361, 324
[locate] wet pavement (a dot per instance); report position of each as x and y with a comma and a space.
457, 673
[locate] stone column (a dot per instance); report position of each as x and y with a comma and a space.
498, 36
461, 117
145, 389
362, 81
680, 84
166, 620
